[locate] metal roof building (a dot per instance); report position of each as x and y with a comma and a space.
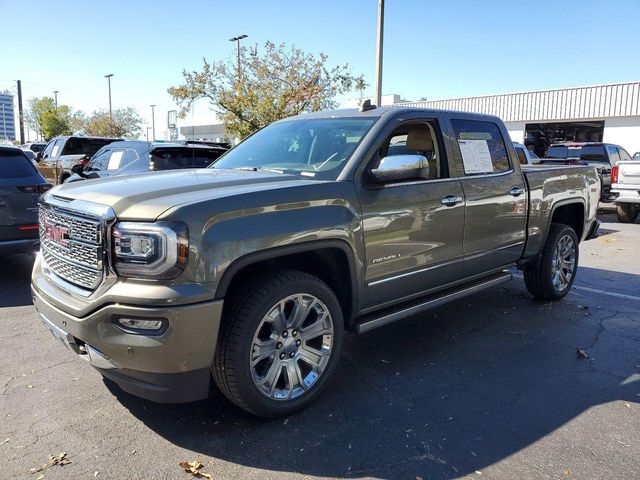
609, 113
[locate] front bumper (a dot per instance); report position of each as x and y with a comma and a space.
172, 367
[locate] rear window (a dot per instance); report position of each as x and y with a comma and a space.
591, 153
522, 157
482, 147
169, 159
15, 165
84, 146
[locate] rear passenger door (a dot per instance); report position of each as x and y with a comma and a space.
495, 194
412, 229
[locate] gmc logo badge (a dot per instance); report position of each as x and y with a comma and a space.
57, 233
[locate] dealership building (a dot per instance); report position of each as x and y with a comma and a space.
597, 113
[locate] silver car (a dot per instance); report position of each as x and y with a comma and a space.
20, 187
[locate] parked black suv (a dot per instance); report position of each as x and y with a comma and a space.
603, 156
126, 157
57, 159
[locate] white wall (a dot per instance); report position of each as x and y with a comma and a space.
516, 131
623, 131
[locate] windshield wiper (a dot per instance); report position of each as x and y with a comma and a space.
259, 169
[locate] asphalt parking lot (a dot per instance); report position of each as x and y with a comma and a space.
494, 386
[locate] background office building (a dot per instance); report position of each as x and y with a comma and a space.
7, 120
598, 113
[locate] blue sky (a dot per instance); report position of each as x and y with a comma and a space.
432, 49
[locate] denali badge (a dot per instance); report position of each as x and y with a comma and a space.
57, 233
393, 256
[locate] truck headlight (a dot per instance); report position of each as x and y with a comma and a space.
157, 250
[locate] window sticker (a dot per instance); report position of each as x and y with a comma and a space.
476, 156
54, 152
114, 160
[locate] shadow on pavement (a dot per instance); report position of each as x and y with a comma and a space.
441, 395
15, 280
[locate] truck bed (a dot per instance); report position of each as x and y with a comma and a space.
550, 184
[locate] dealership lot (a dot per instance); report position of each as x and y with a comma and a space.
493, 386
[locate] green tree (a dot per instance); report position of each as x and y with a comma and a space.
269, 84
360, 85
46, 119
126, 123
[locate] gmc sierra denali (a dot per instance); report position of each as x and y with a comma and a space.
251, 271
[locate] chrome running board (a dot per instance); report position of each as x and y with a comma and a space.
436, 301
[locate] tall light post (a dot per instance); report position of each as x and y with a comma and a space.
237, 40
55, 92
153, 121
148, 128
378, 78
108, 77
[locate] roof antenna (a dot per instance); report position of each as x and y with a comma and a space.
366, 106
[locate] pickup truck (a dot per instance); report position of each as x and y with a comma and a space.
251, 271
625, 189
603, 156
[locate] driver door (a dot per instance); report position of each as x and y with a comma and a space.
413, 229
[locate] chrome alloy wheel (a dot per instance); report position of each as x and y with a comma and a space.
563, 263
291, 347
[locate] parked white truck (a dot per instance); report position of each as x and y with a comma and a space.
625, 189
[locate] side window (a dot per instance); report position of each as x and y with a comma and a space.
624, 156
417, 139
614, 157
99, 162
482, 147
522, 157
56, 148
46, 153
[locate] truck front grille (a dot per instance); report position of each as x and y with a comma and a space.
71, 246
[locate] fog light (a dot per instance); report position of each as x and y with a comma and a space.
142, 325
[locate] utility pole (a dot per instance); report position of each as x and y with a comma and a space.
108, 77
20, 112
153, 121
237, 40
378, 79
55, 92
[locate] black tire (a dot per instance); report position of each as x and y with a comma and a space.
243, 315
539, 278
626, 212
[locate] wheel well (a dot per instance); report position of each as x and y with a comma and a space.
572, 215
330, 265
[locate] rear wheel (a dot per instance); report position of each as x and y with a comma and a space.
553, 276
280, 344
626, 212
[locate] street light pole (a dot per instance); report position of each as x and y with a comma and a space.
237, 40
108, 77
378, 78
148, 128
153, 121
55, 92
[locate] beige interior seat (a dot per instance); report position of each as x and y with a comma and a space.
420, 140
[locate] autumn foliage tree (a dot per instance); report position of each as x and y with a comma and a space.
269, 84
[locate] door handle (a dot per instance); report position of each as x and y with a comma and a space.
451, 200
516, 191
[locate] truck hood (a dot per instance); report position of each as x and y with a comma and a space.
146, 196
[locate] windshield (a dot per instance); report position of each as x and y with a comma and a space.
317, 147
591, 153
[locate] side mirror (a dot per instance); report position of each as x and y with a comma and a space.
77, 168
39, 156
397, 168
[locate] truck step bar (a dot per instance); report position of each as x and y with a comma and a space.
432, 302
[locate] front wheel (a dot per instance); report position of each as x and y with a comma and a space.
626, 212
553, 276
280, 344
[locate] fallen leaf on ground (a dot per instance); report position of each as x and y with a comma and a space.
195, 469
582, 353
60, 459
566, 472
583, 307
